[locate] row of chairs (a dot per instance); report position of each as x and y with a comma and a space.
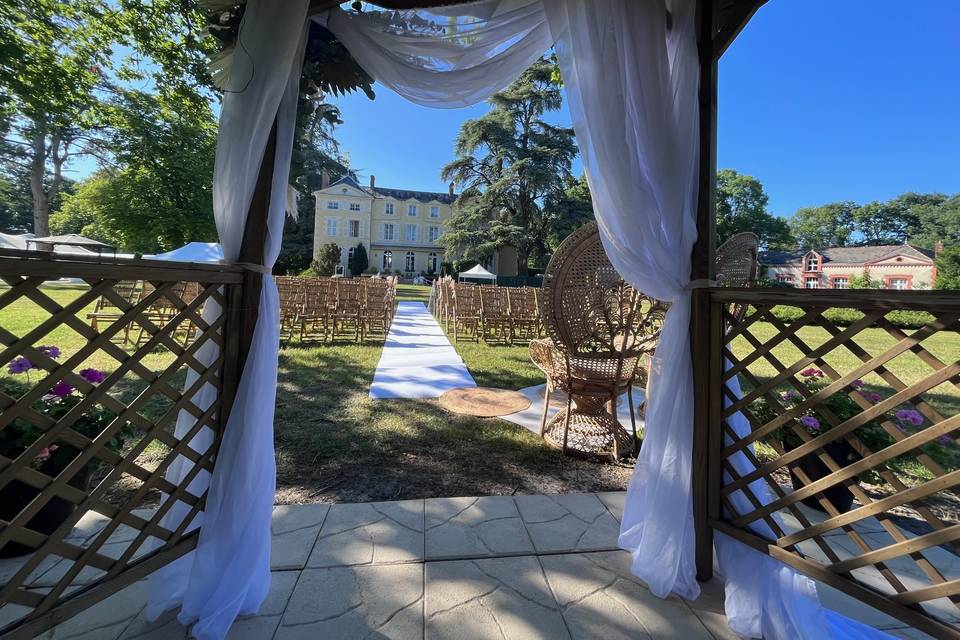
110, 308
496, 314
329, 308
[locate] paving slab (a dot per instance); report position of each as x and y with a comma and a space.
371, 533
458, 528
166, 627
599, 599
568, 523
613, 501
105, 620
295, 529
378, 601
490, 598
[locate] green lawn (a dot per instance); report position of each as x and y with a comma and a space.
335, 444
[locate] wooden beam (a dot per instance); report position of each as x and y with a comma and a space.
731, 20
702, 266
251, 248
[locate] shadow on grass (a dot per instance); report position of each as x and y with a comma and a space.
334, 443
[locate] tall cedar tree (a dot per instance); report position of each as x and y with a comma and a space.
508, 162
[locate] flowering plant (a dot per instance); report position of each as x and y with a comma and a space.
59, 399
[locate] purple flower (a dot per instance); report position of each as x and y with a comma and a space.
19, 365
811, 423
62, 389
812, 373
856, 385
945, 440
872, 396
92, 375
910, 415
789, 396
50, 351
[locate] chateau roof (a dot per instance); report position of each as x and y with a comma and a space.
398, 194
848, 255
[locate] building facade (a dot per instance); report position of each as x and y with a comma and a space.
400, 229
891, 266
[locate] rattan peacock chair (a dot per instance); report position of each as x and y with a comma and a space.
736, 266
599, 329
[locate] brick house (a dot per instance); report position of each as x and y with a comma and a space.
893, 266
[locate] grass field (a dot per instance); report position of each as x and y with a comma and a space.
335, 444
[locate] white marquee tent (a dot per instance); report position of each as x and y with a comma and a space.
477, 273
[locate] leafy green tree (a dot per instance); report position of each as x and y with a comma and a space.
742, 206
328, 257
159, 195
938, 221
358, 262
829, 225
508, 162
863, 281
54, 55
948, 269
885, 222
566, 211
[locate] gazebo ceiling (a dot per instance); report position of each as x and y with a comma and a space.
731, 15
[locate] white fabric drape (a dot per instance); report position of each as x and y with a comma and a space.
631, 85
229, 572
445, 57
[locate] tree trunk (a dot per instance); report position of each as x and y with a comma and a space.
523, 260
41, 201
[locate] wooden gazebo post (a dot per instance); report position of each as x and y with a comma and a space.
718, 22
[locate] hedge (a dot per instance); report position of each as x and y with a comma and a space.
843, 317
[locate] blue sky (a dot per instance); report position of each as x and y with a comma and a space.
821, 100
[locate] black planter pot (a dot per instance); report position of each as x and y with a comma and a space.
838, 495
16, 495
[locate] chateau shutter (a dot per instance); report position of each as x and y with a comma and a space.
363, 229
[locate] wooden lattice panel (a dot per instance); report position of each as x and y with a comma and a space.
843, 440
96, 374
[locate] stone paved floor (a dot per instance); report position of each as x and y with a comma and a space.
493, 567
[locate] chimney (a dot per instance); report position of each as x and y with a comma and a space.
324, 179
937, 248
373, 181
451, 188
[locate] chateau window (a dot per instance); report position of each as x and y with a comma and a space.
354, 206
813, 263
434, 234
350, 255
388, 232
841, 283
354, 229
432, 263
434, 212
331, 226
411, 233
332, 204
411, 261
411, 210
388, 208
899, 283
812, 283
388, 260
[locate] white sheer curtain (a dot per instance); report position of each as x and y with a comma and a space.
229, 572
631, 85
445, 57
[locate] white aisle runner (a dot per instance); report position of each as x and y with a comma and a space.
418, 361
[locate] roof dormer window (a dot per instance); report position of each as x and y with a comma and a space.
813, 262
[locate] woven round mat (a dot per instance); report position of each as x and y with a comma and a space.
483, 402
